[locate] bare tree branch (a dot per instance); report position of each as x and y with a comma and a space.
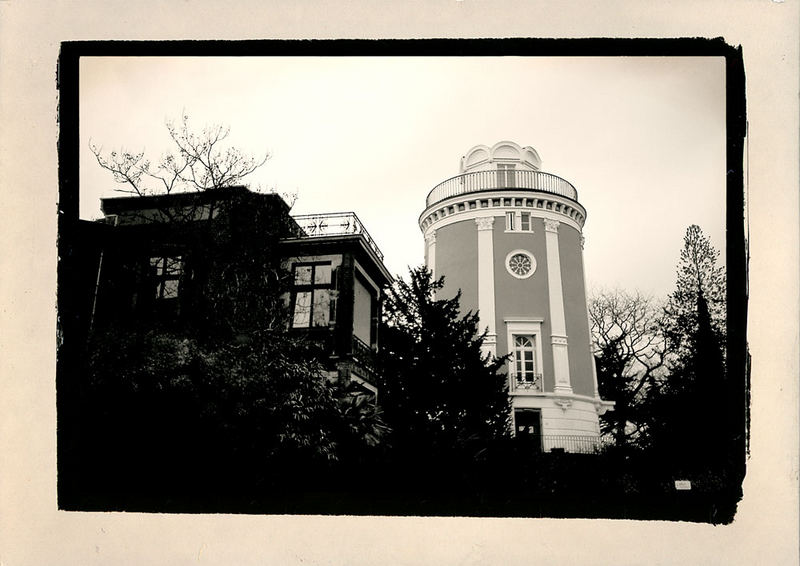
199, 163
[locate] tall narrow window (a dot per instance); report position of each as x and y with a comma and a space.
525, 222
505, 176
312, 297
525, 371
509, 221
167, 271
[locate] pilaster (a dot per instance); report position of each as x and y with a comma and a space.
430, 241
486, 283
596, 389
558, 327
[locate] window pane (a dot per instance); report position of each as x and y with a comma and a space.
158, 264
523, 342
302, 310
509, 221
322, 274
174, 265
322, 308
526, 221
302, 275
170, 288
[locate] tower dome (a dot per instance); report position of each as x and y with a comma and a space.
484, 158
509, 236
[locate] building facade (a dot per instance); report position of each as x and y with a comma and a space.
149, 260
509, 236
337, 288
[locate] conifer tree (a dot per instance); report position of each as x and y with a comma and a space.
688, 409
698, 274
440, 394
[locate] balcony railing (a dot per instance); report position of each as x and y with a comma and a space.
501, 179
363, 355
528, 383
572, 444
336, 224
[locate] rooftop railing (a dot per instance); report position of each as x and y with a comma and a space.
336, 224
498, 180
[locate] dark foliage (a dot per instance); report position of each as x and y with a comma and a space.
211, 398
443, 398
689, 428
672, 397
631, 352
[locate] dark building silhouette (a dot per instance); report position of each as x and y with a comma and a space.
150, 259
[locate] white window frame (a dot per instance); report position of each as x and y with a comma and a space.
514, 221
524, 327
530, 221
511, 222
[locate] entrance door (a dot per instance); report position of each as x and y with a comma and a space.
528, 426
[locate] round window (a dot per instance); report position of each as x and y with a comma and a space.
521, 264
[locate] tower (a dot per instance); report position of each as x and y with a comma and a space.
510, 237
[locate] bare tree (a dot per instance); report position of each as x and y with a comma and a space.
632, 356
200, 162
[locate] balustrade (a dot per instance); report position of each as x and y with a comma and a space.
501, 179
335, 224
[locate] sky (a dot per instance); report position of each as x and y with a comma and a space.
641, 138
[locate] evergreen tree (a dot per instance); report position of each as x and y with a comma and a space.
698, 274
688, 409
440, 394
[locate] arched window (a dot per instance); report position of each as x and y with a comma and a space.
524, 360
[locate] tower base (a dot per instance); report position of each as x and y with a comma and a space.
556, 422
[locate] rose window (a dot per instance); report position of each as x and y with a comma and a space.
520, 264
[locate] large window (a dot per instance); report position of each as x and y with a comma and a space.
526, 373
312, 295
524, 337
167, 271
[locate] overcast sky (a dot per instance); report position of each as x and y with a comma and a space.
642, 139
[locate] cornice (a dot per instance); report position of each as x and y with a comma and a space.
465, 207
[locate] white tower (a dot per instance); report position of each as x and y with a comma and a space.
510, 237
